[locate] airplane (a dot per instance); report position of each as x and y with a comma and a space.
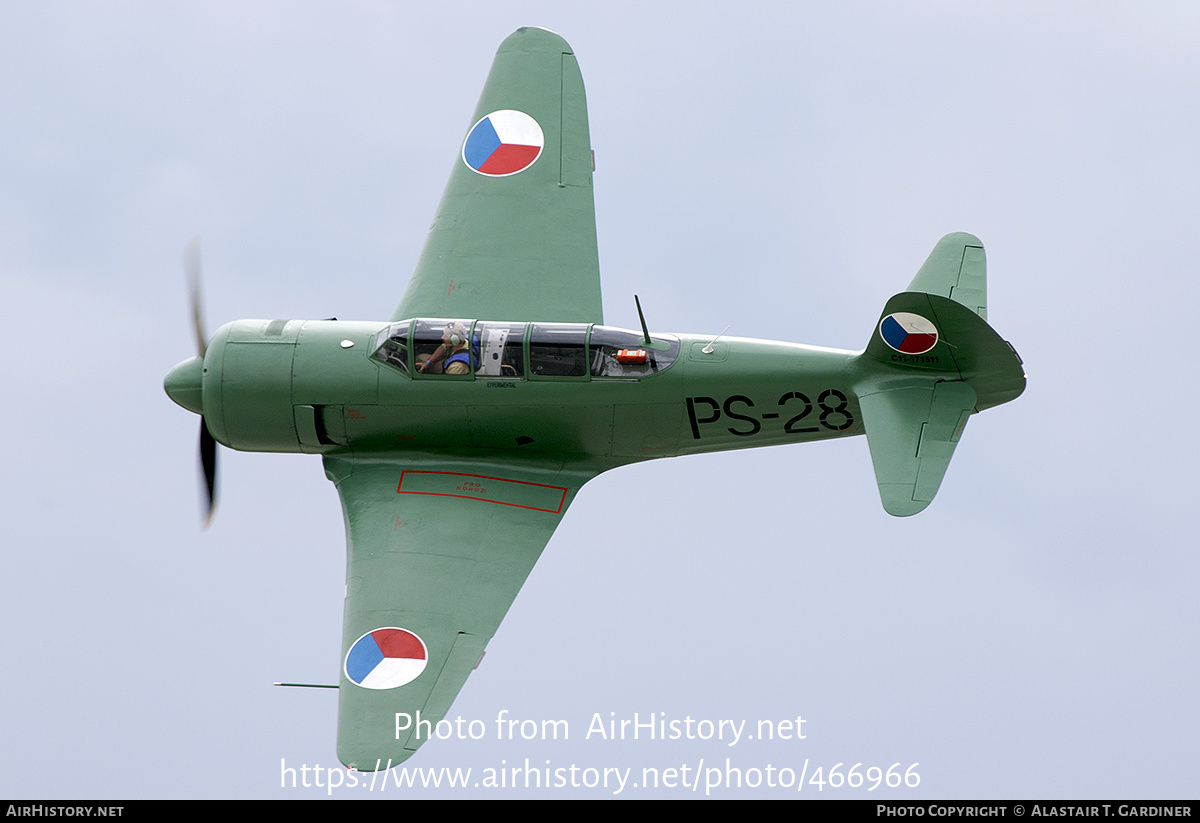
459, 431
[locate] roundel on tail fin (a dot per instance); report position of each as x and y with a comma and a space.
908, 333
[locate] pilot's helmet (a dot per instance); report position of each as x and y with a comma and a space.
456, 333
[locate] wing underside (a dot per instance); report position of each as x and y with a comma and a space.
437, 551
438, 547
514, 237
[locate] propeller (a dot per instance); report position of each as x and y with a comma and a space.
208, 445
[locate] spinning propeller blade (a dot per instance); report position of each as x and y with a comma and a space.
208, 446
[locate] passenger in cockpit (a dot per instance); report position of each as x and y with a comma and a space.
456, 355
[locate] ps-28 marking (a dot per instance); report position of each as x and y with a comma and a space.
834, 416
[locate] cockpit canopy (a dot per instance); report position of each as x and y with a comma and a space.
460, 349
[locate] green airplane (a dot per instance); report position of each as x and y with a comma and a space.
459, 431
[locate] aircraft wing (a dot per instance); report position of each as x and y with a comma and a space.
438, 548
514, 237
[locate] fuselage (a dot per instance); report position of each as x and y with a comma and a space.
572, 392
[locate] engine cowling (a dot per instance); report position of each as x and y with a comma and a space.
265, 385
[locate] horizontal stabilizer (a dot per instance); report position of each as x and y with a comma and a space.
957, 269
912, 432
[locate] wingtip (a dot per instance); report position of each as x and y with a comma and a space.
535, 39
961, 237
382, 763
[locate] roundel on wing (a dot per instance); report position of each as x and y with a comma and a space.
908, 333
503, 143
386, 658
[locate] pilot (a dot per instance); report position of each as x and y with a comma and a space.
455, 355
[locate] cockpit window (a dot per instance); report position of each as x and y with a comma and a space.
500, 351
617, 353
496, 350
391, 345
557, 350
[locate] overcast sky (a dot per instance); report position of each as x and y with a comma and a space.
780, 168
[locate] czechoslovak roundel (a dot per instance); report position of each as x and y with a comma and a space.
503, 143
908, 333
386, 658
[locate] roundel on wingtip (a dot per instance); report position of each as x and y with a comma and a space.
502, 143
385, 658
